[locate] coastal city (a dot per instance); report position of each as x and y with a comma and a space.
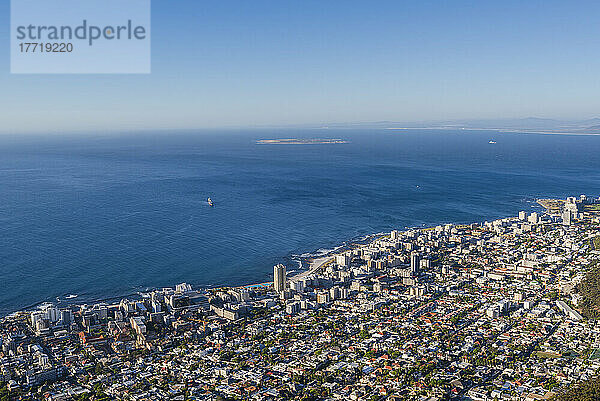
496, 310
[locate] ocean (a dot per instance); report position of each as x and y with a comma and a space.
106, 216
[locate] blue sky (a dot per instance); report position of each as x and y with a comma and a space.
248, 63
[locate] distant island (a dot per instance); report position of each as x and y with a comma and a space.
297, 141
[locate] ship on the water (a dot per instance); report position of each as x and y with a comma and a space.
210, 202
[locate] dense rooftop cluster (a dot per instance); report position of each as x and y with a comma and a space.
482, 312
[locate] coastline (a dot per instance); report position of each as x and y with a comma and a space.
315, 265
316, 260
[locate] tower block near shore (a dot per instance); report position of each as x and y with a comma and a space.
279, 278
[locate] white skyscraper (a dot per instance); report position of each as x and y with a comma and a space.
534, 218
343, 259
279, 278
297, 286
566, 218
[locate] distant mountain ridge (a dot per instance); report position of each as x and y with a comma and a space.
531, 124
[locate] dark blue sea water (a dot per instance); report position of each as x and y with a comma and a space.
106, 216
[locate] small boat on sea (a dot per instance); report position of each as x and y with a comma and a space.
492, 142
210, 202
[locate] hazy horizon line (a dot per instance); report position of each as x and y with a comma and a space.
455, 123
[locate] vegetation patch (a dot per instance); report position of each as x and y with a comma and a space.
589, 288
547, 355
596, 243
588, 390
595, 354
